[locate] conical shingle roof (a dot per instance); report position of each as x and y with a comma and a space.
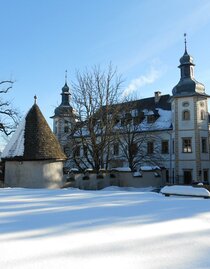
38, 143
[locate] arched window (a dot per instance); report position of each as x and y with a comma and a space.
186, 115
202, 115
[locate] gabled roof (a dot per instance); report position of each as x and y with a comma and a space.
37, 141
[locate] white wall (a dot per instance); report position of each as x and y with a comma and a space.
34, 174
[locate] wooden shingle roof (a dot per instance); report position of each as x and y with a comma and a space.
40, 143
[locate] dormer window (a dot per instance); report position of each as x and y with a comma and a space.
151, 118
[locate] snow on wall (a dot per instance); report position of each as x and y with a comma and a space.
15, 146
185, 190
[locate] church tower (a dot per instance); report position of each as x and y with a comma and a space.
190, 126
64, 117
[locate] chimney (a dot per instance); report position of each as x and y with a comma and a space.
157, 96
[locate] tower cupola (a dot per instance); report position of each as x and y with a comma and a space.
65, 93
187, 85
64, 108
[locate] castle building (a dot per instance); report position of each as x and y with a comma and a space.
176, 127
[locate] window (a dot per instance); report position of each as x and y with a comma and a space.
202, 115
151, 118
138, 119
85, 150
150, 147
186, 145
185, 104
165, 147
77, 151
116, 149
66, 150
167, 175
204, 145
66, 129
66, 126
186, 115
134, 149
205, 175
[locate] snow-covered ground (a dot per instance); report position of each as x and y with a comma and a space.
113, 228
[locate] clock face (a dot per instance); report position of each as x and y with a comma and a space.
202, 104
185, 104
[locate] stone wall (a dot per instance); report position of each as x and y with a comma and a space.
121, 179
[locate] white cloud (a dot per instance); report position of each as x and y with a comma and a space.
142, 80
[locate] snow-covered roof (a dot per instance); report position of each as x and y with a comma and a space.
149, 168
122, 169
15, 146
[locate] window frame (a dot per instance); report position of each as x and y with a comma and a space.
187, 147
165, 148
204, 145
186, 115
150, 147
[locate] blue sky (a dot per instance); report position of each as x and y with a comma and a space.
40, 39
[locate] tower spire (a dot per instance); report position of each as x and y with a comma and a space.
185, 42
66, 77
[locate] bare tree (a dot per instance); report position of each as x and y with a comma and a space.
94, 96
9, 116
138, 143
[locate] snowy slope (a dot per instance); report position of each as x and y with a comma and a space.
114, 228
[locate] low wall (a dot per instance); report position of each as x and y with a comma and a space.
121, 179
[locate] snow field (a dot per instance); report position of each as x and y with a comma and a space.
98, 229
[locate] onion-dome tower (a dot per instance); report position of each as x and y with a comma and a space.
190, 125
63, 118
187, 85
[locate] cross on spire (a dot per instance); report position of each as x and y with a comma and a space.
35, 98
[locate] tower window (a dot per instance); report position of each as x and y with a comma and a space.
66, 129
187, 145
202, 115
186, 115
